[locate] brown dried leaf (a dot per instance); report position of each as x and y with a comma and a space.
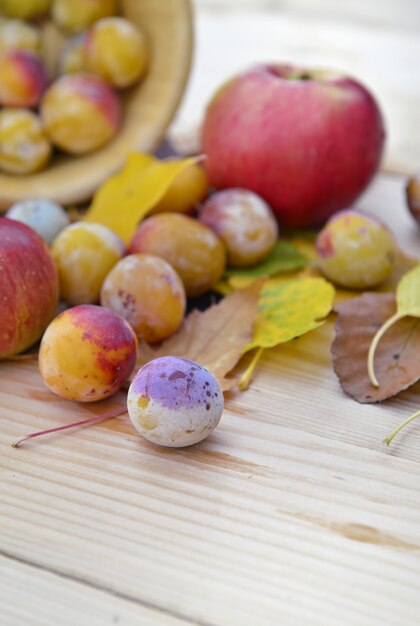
214, 338
397, 359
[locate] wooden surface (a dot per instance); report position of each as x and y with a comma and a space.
292, 512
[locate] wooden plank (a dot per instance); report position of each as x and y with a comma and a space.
29, 595
263, 521
292, 511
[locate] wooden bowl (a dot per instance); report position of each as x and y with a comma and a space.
147, 109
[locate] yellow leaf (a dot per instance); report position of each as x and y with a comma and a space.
214, 338
284, 257
127, 196
240, 282
408, 293
287, 310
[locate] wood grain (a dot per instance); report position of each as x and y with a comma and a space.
30, 595
291, 512
262, 520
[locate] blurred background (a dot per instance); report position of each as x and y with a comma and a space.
377, 41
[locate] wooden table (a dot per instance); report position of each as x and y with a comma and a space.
292, 512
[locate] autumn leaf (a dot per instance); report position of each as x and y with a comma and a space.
408, 304
287, 310
214, 338
397, 357
284, 257
127, 197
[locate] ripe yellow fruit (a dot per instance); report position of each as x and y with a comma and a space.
87, 353
117, 51
24, 147
189, 188
355, 250
80, 113
18, 35
148, 293
84, 254
24, 9
193, 250
77, 15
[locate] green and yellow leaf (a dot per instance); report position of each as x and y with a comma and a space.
287, 310
284, 257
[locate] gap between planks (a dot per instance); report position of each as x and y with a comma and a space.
96, 586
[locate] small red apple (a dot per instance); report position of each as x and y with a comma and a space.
28, 287
307, 141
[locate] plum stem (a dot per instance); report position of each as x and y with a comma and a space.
247, 375
372, 349
390, 437
85, 422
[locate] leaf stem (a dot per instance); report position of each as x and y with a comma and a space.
372, 349
388, 439
247, 375
85, 422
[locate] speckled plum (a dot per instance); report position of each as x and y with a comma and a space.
76, 15
23, 79
148, 293
355, 250
117, 51
84, 253
18, 35
80, 113
244, 222
24, 147
174, 402
24, 9
193, 249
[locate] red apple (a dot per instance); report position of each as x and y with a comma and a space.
28, 287
307, 141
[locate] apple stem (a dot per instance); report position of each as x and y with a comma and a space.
247, 375
372, 349
85, 422
388, 439
299, 76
